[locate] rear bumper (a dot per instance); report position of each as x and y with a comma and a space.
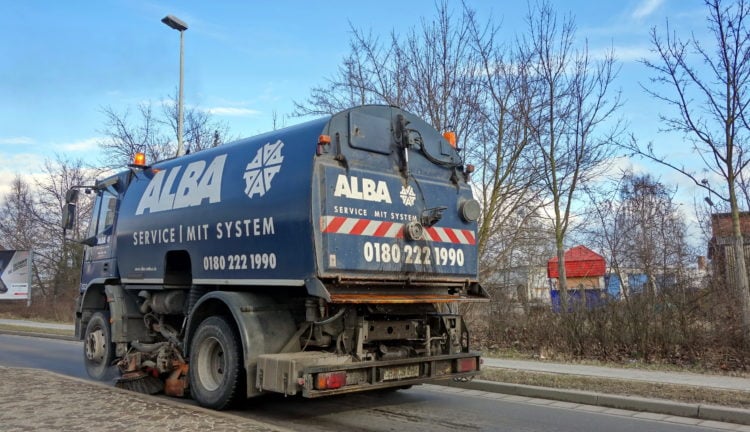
324, 374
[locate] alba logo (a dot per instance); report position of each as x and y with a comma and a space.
263, 168
197, 183
407, 195
349, 187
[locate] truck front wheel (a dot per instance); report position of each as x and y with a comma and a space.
98, 349
215, 364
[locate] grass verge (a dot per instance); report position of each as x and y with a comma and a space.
679, 393
15, 316
39, 330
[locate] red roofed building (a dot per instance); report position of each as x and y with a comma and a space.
584, 268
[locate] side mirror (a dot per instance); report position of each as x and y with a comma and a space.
71, 196
69, 214
89, 241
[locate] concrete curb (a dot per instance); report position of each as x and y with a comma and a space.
631, 403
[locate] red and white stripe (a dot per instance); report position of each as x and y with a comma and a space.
385, 229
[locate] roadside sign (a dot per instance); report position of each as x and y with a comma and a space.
15, 274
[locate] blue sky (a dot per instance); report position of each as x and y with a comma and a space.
63, 61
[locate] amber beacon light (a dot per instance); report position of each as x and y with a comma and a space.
139, 160
450, 136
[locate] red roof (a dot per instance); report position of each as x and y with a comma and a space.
580, 261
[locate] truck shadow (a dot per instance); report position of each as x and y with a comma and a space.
278, 407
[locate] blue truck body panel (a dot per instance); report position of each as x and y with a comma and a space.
244, 218
284, 207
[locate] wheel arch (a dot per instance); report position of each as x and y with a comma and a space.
263, 325
93, 299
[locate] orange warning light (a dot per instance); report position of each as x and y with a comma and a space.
139, 160
450, 136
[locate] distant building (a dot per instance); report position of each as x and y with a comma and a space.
584, 272
524, 283
584, 268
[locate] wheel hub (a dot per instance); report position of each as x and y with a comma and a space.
95, 346
211, 364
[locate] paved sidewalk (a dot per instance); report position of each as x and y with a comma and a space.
680, 378
37, 400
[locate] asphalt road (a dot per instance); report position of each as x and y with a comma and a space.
423, 408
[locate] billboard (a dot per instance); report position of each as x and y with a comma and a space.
15, 274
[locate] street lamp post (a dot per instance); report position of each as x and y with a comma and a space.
181, 26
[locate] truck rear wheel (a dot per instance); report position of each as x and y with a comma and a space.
215, 364
98, 349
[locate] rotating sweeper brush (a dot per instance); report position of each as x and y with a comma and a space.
141, 382
135, 379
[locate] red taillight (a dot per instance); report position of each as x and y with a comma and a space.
466, 364
330, 380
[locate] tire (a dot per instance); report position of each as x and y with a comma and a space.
98, 349
216, 378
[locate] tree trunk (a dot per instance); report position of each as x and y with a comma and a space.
562, 277
740, 274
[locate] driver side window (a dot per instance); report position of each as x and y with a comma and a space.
104, 217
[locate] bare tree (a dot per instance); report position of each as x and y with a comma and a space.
18, 226
30, 220
373, 72
574, 101
506, 178
126, 137
452, 71
151, 133
21, 229
430, 72
652, 227
59, 261
641, 230
201, 131
709, 90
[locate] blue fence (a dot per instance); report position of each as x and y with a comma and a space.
577, 299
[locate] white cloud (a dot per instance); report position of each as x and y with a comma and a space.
633, 53
87, 144
27, 165
233, 112
16, 140
646, 8
623, 54
31, 168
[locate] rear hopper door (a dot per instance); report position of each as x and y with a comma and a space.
381, 218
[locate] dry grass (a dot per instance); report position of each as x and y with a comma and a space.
679, 393
25, 329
